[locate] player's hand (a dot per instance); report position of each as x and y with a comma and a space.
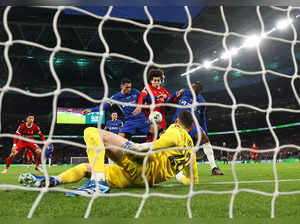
137, 111
180, 92
86, 112
13, 149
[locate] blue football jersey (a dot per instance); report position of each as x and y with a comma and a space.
186, 99
131, 98
114, 126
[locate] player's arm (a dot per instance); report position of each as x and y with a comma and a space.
138, 109
38, 130
18, 133
186, 179
175, 96
106, 106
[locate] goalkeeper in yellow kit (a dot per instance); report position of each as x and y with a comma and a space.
128, 167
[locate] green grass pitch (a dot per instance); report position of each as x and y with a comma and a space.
17, 203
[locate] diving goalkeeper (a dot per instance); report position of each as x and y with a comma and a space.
127, 170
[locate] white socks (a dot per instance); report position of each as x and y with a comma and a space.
208, 150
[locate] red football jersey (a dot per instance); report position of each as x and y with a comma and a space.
28, 132
156, 92
28, 152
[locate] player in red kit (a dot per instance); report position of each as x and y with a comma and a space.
254, 155
27, 130
155, 77
29, 156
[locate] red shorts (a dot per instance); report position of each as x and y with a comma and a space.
29, 154
23, 144
253, 154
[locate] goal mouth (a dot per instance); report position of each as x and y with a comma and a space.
233, 44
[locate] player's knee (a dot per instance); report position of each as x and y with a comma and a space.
204, 138
88, 169
89, 130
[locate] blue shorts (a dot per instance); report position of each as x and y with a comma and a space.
136, 126
48, 154
193, 132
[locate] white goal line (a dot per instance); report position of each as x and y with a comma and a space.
230, 182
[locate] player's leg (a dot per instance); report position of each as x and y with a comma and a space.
14, 151
38, 151
208, 150
71, 175
27, 160
96, 160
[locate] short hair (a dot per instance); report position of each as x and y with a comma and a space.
185, 117
125, 80
199, 86
155, 72
30, 114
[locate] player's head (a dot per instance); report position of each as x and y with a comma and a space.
30, 118
155, 76
125, 85
114, 115
185, 118
197, 87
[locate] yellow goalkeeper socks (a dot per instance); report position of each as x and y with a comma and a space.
92, 139
74, 174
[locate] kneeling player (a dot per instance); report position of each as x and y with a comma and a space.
127, 172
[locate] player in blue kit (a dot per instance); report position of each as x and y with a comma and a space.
114, 125
49, 151
134, 121
185, 98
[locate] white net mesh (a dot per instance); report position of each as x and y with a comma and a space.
107, 53
78, 160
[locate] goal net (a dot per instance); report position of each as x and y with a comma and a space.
217, 61
78, 160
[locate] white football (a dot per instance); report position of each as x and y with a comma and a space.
155, 116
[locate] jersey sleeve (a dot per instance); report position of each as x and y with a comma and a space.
173, 98
142, 96
18, 133
170, 138
38, 131
195, 171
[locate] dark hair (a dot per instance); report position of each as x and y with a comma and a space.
185, 117
199, 87
155, 72
125, 80
30, 114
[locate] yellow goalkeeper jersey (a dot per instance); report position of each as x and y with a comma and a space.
160, 166
166, 164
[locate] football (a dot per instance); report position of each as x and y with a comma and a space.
155, 116
25, 179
